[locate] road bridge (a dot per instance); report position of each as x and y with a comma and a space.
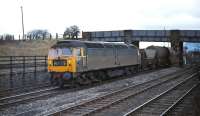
143, 35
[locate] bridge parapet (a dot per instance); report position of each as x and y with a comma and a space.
142, 35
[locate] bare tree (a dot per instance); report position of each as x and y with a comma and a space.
38, 34
75, 31
67, 33
71, 32
7, 37
1, 37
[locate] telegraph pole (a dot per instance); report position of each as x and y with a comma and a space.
23, 37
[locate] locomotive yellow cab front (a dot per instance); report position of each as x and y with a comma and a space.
61, 60
64, 62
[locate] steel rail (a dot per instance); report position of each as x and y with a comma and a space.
130, 113
179, 100
27, 88
6, 101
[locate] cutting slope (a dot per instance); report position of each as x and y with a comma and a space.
25, 48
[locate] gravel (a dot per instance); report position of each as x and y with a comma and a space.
51, 104
18, 81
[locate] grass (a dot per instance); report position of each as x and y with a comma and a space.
25, 48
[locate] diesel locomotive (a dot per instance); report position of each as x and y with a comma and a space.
84, 62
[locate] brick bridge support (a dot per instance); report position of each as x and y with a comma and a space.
177, 45
128, 38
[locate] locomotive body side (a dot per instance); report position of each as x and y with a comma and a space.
87, 59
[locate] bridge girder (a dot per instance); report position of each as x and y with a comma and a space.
142, 35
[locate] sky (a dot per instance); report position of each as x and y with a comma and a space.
97, 15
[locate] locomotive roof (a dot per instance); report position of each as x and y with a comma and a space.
69, 43
90, 44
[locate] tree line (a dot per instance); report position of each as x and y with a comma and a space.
71, 32
7, 37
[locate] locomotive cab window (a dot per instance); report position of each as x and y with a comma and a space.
66, 51
52, 53
77, 51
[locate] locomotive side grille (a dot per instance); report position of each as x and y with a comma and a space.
59, 62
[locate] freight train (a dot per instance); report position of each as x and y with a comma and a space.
84, 62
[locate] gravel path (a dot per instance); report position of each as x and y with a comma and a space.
41, 107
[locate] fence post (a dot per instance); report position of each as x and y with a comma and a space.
56, 36
11, 72
50, 36
23, 65
43, 36
35, 67
46, 63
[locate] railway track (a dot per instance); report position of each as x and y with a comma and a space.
24, 97
30, 96
185, 100
184, 105
25, 89
164, 102
16, 100
98, 104
44, 90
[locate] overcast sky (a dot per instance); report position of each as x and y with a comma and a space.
93, 15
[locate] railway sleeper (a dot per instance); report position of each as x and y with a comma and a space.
145, 113
153, 109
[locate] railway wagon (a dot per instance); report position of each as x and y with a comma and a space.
148, 59
157, 56
83, 62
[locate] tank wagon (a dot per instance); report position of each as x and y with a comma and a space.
83, 62
155, 56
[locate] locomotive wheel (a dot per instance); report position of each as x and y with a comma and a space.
127, 71
75, 83
103, 75
53, 81
83, 80
92, 77
136, 69
60, 82
132, 69
98, 76
79, 80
